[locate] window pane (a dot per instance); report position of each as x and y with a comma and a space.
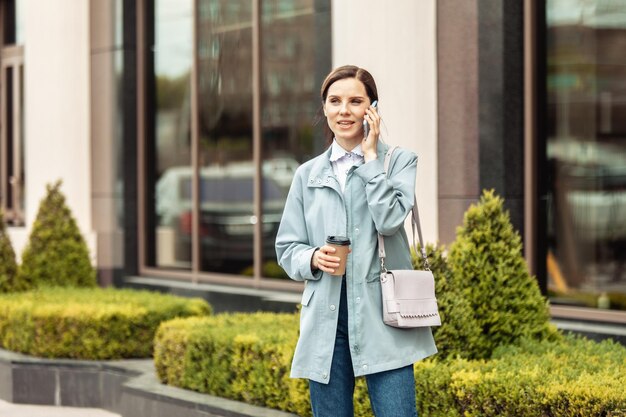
13, 22
21, 176
289, 103
586, 152
10, 143
169, 154
225, 129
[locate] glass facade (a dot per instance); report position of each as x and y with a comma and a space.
169, 155
289, 101
210, 178
586, 152
226, 140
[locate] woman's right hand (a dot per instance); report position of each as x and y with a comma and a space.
324, 260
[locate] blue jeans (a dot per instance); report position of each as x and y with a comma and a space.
392, 393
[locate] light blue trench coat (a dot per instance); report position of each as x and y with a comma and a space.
371, 203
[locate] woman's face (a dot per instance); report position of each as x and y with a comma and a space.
345, 107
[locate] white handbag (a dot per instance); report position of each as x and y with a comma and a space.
408, 295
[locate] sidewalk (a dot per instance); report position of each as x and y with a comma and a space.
24, 410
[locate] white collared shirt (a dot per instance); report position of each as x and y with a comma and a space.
342, 160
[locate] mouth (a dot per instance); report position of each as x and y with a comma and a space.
345, 124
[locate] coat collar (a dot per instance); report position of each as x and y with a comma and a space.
321, 173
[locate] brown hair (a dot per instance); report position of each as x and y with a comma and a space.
347, 71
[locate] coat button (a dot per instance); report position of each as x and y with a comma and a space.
324, 375
332, 307
319, 181
365, 367
356, 230
358, 299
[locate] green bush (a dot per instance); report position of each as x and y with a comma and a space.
459, 329
56, 253
83, 323
487, 265
570, 377
244, 357
8, 265
247, 357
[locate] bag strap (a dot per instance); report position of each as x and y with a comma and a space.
415, 223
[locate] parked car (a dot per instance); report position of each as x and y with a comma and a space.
227, 218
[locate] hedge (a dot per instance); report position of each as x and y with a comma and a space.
90, 323
573, 377
247, 357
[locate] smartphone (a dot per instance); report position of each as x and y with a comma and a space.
366, 127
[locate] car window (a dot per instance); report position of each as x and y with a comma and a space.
231, 190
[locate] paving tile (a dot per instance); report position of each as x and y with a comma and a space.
8, 409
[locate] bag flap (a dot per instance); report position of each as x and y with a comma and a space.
414, 308
412, 285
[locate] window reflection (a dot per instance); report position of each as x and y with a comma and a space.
223, 51
225, 126
289, 102
171, 138
586, 150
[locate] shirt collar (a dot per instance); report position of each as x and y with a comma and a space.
337, 152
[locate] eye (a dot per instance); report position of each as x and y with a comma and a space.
357, 101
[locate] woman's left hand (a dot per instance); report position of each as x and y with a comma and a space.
368, 145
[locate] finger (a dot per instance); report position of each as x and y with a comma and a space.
332, 261
373, 118
328, 249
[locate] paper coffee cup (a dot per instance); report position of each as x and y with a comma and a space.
342, 246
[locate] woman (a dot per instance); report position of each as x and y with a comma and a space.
344, 191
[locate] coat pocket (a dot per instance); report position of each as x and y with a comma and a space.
307, 295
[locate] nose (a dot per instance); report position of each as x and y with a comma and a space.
344, 108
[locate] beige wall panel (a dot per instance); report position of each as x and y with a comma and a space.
57, 106
103, 14
103, 122
396, 42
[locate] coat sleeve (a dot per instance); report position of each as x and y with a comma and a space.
390, 199
293, 249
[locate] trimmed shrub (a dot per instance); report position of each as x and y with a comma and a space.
487, 265
571, 377
82, 323
8, 265
245, 357
458, 328
56, 253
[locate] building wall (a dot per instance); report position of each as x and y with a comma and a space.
481, 107
106, 62
397, 44
56, 109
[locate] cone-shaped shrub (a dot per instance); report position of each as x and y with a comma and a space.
56, 253
487, 265
8, 265
459, 329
